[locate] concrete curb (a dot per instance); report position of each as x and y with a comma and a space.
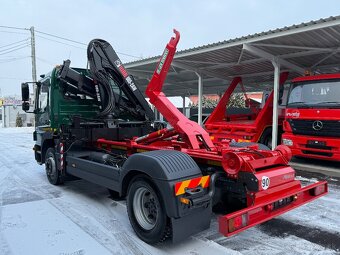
331, 171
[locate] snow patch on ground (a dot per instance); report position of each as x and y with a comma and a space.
39, 228
311, 180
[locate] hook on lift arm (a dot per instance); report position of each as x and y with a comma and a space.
195, 134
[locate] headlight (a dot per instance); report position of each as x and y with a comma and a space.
287, 142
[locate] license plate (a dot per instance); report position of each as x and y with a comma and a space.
313, 142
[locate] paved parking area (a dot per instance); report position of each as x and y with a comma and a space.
329, 168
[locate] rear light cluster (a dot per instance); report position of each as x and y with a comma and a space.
318, 190
185, 200
238, 222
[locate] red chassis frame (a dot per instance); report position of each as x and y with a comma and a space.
264, 202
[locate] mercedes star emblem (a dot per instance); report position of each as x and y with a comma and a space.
317, 125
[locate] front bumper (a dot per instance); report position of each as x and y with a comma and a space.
314, 147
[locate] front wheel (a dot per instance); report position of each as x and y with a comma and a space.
266, 138
52, 172
146, 211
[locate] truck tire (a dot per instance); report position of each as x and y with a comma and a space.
266, 138
52, 173
146, 211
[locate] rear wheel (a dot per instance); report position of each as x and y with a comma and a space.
146, 211
52, 172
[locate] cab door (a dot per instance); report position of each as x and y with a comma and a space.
42, 100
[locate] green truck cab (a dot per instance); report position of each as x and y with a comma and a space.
53, 109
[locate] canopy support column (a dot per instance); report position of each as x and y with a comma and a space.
200, 97
276, 65
183, 105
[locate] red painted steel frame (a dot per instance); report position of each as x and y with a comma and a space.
264, 211
196, 136
219, 113
282, 178
197, 144
219, 127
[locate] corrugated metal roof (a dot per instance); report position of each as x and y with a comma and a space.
313, 45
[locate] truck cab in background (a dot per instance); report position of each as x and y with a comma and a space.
312, 119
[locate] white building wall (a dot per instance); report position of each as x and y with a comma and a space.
9, 115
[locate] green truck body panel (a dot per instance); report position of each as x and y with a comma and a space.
61, 109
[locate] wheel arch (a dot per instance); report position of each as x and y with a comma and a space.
268, 130
48, 143
128, 178
164, 168
263, 133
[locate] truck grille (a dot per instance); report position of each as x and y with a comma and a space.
305, 127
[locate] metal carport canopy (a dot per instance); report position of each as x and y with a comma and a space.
312, 46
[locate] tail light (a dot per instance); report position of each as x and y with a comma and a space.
238, 222
318, 190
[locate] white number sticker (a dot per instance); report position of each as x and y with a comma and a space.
265, 182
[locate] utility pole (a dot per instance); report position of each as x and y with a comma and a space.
34, 66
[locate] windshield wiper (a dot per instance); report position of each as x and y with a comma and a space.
329, 102
303, 104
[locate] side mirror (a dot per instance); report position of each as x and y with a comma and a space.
25, 92
25, 106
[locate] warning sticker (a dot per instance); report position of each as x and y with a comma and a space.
161, 63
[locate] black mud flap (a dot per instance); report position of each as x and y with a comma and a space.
191, 224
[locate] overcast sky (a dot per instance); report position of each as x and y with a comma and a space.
137, 28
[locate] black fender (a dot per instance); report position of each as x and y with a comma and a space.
164, 168
268, 131
44, 140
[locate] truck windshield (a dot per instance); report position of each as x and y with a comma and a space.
315, 93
